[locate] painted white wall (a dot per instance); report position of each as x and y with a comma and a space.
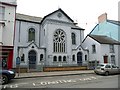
1, 29
88, 45
101, 50
22, 29
8, 29
21, 36
44, 39
63, 18
78, 39
50, 25
106, 51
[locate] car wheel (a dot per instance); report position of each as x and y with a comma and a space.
106, 73
96, 73
4, 79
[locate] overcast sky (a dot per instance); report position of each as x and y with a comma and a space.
84, 12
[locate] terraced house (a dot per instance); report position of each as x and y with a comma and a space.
104, 42
7, 24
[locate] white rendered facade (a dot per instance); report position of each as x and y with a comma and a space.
7, 22
103, 52
56, 40
7, 25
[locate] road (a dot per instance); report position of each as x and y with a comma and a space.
71, 81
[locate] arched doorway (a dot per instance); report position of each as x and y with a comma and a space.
79, 58
32, 59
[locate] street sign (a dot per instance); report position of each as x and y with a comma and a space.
18, 61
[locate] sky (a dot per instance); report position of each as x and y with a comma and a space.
84, 12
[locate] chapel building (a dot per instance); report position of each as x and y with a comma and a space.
52, 41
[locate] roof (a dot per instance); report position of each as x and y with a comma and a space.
37, 19
114, 22
31, 44
55, 12
8, 3
77, 27
104, 39
28, 18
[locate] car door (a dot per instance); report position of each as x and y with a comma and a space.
108, 68
114, 69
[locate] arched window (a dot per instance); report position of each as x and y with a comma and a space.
59, 58
41, 57
73, 38
23, 58
54, 58
73, 57
59, 41
31, 34
85, 57
64, 58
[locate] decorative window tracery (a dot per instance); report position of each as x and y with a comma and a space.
59, 41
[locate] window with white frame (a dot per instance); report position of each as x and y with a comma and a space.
23, 58
111, 48
31, 34
93, 48
113, 59
73, 38
2, 13
59, 40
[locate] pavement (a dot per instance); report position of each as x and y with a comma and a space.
55, 73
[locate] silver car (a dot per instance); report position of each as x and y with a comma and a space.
107, 69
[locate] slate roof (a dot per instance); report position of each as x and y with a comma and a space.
104, 39
55, 12
38, 19
34, 19
28, 18
8, 3
114, 22
110, 21
77, 27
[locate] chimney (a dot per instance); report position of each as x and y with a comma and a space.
102, 18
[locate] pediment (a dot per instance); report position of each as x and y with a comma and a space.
32, 45
58, 15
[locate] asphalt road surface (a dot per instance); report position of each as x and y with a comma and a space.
71, 81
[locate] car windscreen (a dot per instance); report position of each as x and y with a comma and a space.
100, 65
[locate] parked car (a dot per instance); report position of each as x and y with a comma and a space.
107, 69
6, 76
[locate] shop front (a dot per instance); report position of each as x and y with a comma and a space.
6, 56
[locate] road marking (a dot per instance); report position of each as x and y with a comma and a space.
43, 83
67, 81
33, 84
93, 77
87, 79
14, 86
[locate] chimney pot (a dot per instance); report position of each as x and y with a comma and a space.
102, 18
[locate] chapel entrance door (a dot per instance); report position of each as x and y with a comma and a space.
79, 58
32, 59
